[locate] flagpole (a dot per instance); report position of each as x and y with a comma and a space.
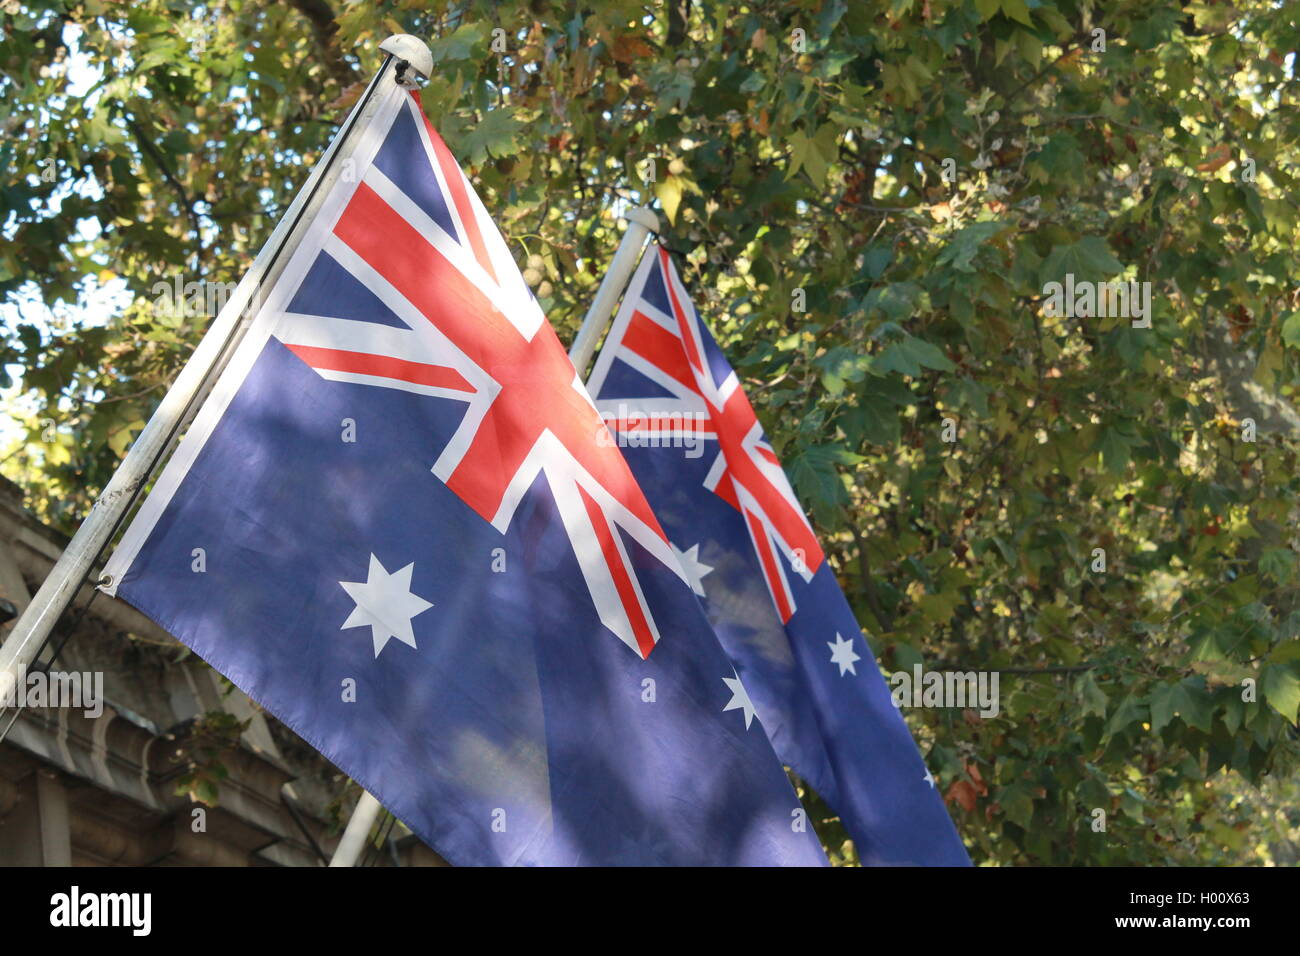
61, 585
353, 842
640, 223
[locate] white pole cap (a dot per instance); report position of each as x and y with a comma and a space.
412, 51
643, 216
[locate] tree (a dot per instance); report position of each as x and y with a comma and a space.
872, 202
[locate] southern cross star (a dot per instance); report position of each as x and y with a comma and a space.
385, 602
695, 568
842, 653
739, 698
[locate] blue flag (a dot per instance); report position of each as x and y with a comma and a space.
399, 523
698, 450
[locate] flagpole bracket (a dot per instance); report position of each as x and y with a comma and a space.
412, 55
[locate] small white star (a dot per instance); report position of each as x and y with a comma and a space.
928, 778
739, 698
385, 602
842, 653
695, 568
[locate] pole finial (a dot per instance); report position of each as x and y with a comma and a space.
409, 51
643, 216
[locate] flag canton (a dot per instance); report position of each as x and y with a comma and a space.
665, 355
414, 252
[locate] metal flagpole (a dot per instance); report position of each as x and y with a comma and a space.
640, 223
60, 587
353, 842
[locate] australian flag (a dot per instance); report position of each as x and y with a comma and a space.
399, 523
695, 445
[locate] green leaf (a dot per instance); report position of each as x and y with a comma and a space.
1186, 699
897, 301
121, 439
1092, 793
1008, 551
1017, 10
673, 88
960, 251
1089, 259
876, 260
669, 191
1278, 564
1114, 447
970, 393
1204, 646
495, 135
809, 153
908, 356
1285, 653
1093, 697
1017, 803
1291, 330
1281, 689
895, 358
814, 473
1132, 803
1130, 711
840, 366
460, 44
874, 419
906, 657
930, 356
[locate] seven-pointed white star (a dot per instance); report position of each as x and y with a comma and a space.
385, 602
739, 698
928, 778
695, 568
842, 653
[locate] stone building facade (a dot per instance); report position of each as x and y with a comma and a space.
85, 789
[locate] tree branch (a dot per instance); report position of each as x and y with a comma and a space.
868, 583
325, 29
148, 147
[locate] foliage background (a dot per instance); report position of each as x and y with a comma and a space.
147, 140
